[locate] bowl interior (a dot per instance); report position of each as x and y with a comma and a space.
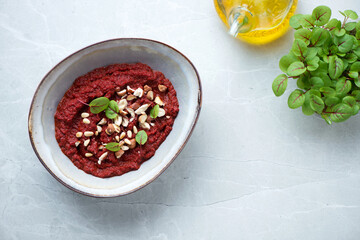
159, 57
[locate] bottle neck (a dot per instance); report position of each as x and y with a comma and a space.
240, 21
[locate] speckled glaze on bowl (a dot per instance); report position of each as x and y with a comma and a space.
159, 56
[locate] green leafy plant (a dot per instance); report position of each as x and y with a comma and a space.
100, 104
141, 137
113, 146
325, 62
154, 111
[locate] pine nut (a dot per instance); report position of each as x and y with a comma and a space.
79, 134
129, 134
88, 133
86, 142
86, 121
122, 135
88, 154
135, 130
85, 115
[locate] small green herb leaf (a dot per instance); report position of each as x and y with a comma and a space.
351, 14
322, 15
303, 34
328, 91
339, 32
112, 111
316, 103
141, 137
113, 146
349, 100
296, 68
286, 61
99, 104
299, 48
355, 67
350, 26
333, 23
319, 36
343, 86
326, 118
344, 43
154, 111
295, 21
279, 85
307, 21
316, 82
312, 64
336, 67
331, 101
341, 112
296, 99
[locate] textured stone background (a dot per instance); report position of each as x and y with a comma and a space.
253, 168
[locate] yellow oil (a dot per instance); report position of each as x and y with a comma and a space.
267, 20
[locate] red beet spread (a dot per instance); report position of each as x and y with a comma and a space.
103, 82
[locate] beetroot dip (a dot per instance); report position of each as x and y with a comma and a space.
115, 82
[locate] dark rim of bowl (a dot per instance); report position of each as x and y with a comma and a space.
163, 169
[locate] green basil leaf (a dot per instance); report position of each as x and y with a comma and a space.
351, 14
341, 112
296, 99
343, 86
99, 104
303, 34
154, 111
141, 137
322, 15
296, 68
299, 48
316, 103
112, 110
113, 146
336, 67
279, 85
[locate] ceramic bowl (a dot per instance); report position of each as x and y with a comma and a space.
159, 56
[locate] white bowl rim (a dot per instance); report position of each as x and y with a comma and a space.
196, 117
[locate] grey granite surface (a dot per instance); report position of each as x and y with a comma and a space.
253, 169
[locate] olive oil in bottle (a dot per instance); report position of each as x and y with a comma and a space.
256, 21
